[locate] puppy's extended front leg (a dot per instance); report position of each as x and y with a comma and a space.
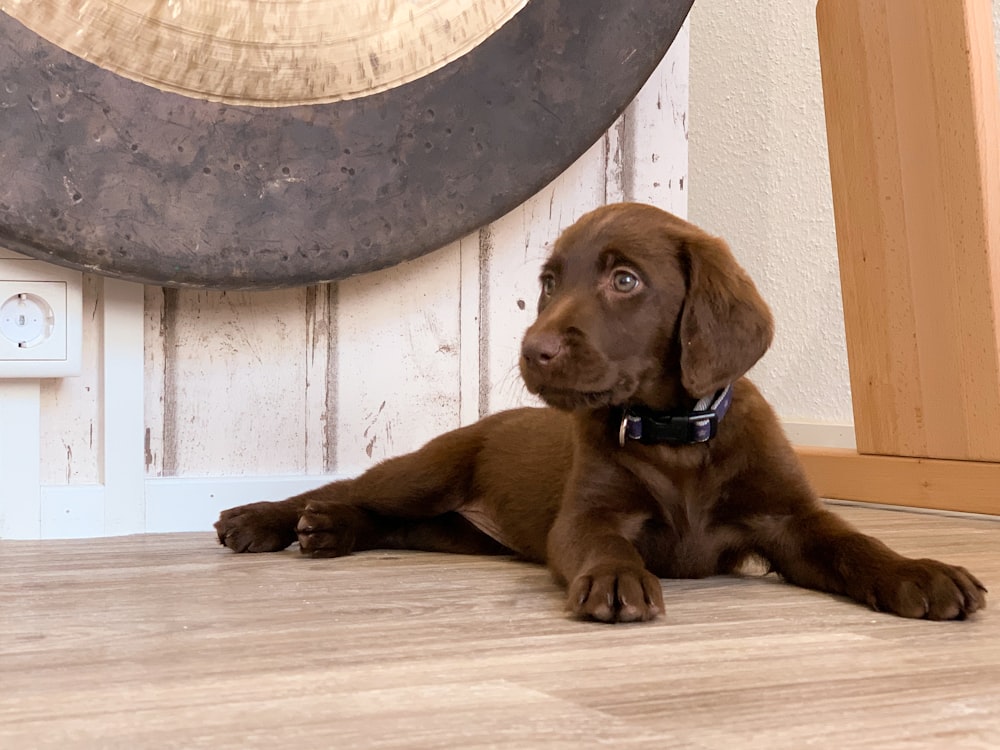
325, 521
390, 503
606, 577
260, 527
818, 550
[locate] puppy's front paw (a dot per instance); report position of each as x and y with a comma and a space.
927, 589
258, 527
329, 530
616, 594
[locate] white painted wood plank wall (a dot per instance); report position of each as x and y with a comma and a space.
243, 396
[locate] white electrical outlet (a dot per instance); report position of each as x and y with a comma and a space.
41, 318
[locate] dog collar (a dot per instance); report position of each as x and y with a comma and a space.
697, 426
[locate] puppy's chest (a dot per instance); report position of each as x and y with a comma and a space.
677, 534
682, 546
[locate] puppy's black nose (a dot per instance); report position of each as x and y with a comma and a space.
542, 348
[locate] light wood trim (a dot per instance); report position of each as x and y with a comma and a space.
964, 486
913, 122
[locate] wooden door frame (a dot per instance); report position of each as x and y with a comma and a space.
913, 127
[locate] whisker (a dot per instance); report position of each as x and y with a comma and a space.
511, 392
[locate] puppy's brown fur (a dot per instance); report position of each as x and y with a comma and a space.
641, 308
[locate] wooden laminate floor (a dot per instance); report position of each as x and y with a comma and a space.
171, 641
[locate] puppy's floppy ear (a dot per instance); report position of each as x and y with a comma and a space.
725, 325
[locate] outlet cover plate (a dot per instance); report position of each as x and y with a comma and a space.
58, 354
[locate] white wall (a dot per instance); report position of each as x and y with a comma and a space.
760, 178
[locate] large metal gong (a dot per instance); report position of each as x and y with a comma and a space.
290, 168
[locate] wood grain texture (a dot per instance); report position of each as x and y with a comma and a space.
513, 256
155, 345
71, 448
913, 120
234, 394
963, 486
320, 370
654, 169
171, 641
398, 349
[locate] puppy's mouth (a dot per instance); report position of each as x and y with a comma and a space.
569, 399
580, 384
572, 398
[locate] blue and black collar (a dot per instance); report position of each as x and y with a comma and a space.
677, 428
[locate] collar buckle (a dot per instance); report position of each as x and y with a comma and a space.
631, 428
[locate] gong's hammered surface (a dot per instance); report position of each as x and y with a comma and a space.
108, 175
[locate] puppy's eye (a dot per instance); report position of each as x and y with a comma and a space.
548, 284
624, 280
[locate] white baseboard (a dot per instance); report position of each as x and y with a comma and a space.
71, 512
194, 503
171, 505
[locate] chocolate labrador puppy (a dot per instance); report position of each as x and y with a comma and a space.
657, 458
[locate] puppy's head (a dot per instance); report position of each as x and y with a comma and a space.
640, 307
